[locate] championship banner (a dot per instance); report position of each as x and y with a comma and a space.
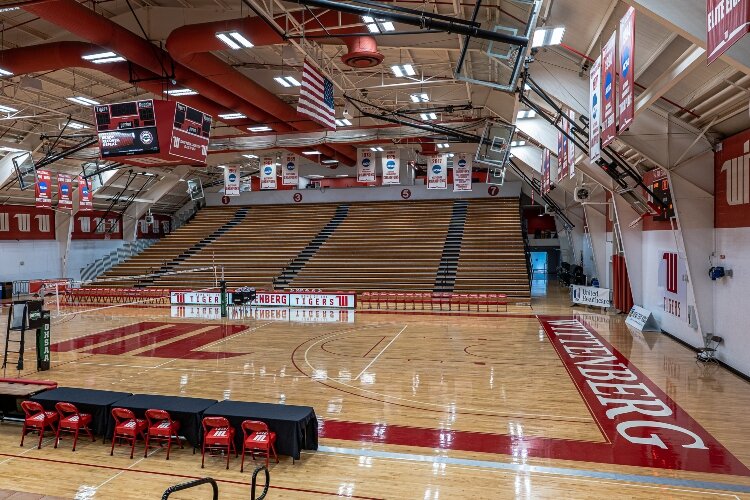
437, 172
43, 189
462, 173
391, 163
290, 175
571, 146
560, 154
546, 172
595, 101
64, 192
608, 91
85, 201
268, 173
365, 166
726, 23
626, 109
231, 181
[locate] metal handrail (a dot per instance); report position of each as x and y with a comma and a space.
254, 481
193, 484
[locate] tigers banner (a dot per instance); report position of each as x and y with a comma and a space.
64, 192
571, 146
268, 173
546, 170
85, 197
365, 166
391, 163
43, 189
462, 173
608, 91
231, 181
437, 172
290, 176
626, 110
595, 101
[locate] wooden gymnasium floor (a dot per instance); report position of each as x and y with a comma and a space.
416, 406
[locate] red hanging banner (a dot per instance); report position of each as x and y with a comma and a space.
546, 160
561, 151
608, 91
43, 189
85, 202
626, 109
726, 22
64, 192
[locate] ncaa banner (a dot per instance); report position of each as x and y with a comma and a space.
462, 173
231, 181
546, 170
560, 154
85, 197
64, 192
726, 22
43, 189
571, 145
595, 103
365, 166
290, 176
626, 109
391, 163
437, 172
608, 91
268, 173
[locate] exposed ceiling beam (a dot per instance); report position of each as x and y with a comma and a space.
687, 62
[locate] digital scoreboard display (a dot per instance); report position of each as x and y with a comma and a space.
190, 134
660, 188
127, 129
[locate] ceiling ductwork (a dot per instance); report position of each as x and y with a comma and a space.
363, 52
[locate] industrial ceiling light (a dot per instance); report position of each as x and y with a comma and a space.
401, 70
311, 152
428, 116
8, 9
378, 25
259, 128
234, 40
342, 122
443, 145
77, 126
287, 81
251, 156
103, 58
83, 101
514, 144
329, 161
7, 109
420, 97
526, 113
232, 116
5, 72
181, 92
544, 37
376, 148
316, 176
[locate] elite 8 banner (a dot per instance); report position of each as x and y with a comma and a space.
64, 192
290, 176
608, 91
627, 79
462, 173
268, 173
726, 22
365, 166
595, 101
391, 165
231, 181
43, 189
437, 176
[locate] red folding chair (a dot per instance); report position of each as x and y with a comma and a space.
161, 428
37, 419
217, 435
127, 428
72, 421
257, 438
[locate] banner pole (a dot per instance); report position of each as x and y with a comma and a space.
223, 285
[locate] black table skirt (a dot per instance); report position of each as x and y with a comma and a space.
98, 403
296, 427
188, 411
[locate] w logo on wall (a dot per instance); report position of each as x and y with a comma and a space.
732, 182
673, 283
738, 177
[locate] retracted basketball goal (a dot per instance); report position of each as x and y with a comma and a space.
494, 149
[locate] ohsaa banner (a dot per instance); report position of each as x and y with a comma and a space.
726, 22
64, 192
365, 166
391, 163
462, 173
43, 189
608, 91
268, 173
626, 110
85, 196
595, 110
437, 172
571, 170
546, 170
232, 181
290, 176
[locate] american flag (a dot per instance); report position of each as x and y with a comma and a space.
316, 97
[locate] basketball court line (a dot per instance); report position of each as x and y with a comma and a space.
539, 469
381, 352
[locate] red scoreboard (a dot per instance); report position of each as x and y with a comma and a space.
152, 132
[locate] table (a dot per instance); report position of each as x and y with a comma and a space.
98, 403
188, 411
296, 427
12, 392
